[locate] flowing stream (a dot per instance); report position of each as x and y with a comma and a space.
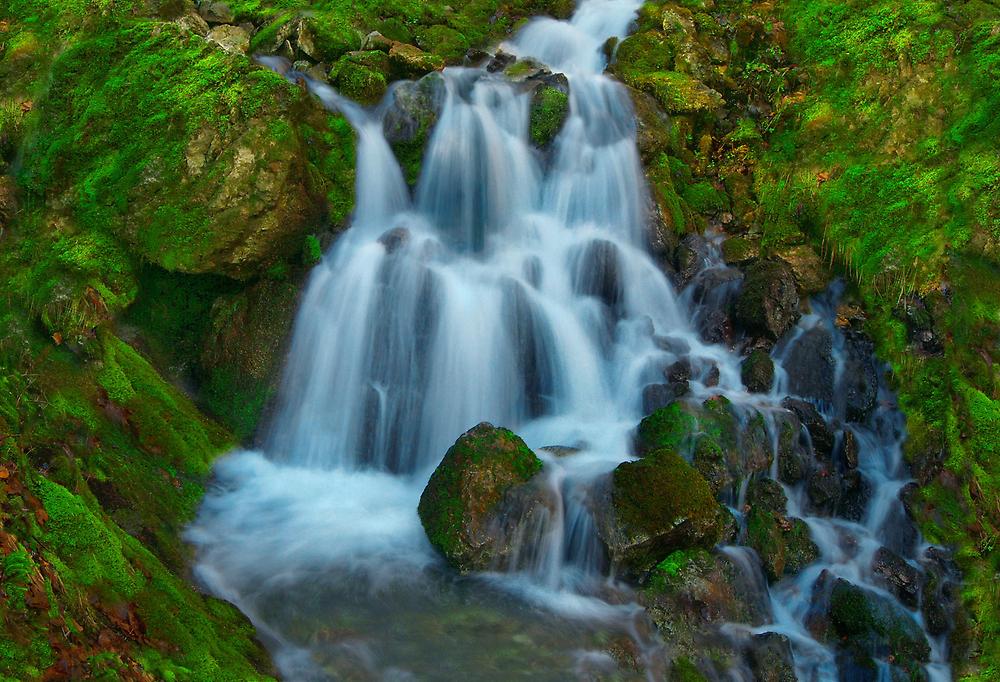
509, 286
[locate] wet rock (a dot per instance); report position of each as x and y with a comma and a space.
768, 305
216, 13
791, 455
193, 23
921, 327
394, 239
232, 39
810, 366
757, 372
376, 41
860, 382
850, 451
657, 396
654, 506
711, 377
899, 532
823, 489
597, 274
464, 502
362, 76
771, 658
409, 61
900, 578
693, 254
810, 272
940, 591
501, 60
875, 624
410, 119
711, 292
820, 434
678, 372
740, 250
783, 543
855, 492
549, 110
651, 126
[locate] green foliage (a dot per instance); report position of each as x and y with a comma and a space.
549, 109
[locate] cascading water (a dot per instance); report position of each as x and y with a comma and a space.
511, 287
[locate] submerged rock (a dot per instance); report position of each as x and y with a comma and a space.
811, 367
654, 506
463, 505
771, 658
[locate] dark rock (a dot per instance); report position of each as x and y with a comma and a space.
710, 293
678, 372
757, 372
854, 496
783, 544
216, 12
771, 658
791, 452
501, 60
899, 577
711, 377
394, 239
850, 451
478, 487
693, 254
810, 366
654, 506
859, 386
597, 274
768, 305
824, 490
656, 396
876, 624
899, 532
942, 580
820, 434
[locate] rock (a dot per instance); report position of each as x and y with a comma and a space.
549, 110
464, 502
757, 372
216, 12
651, 126
820, 434
597, 273
193, 23
693, 254
860, 382
875, 624
810, 366
409, 61
810, 272
824, 490
409, 121
768, 305
941, 591
232, 39
850, 451
855, 493
393, 239
791, 456
362, 76
501, 60
657, 396
783, 543
740, 250
376, 41
654, 506
771, 658
899, 532
899, 577
711, 291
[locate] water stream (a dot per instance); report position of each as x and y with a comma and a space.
513, 287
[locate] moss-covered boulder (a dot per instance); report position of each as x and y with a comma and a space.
768, 304
409, 121
362, 76
654, 506
783, 543
409, 61
549, 109
757, 372
462, 508
875, 626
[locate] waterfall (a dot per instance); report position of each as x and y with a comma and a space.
509, 286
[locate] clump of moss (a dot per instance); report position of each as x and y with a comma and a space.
549, 109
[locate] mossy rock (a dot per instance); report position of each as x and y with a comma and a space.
705, 198
876, 625
443, 41
361, 76
757, 372
654, 506
549, 110
461, 505
768, 304
784, 544
646, 61
409, 61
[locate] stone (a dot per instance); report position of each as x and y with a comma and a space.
376, 41
768, 305
783, 543
216, 13
820, 434
757, 372
480, 481
810, 366
232, 39
395, 238
657, 396
409, 61
549, 111
860, 382
850, 451
771, 658
899, 577
811, 273
855, 493
654, 506
194, 23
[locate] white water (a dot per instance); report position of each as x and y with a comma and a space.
520, 293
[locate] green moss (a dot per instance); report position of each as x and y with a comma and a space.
705, 198
549, 109
669, 428
312, 252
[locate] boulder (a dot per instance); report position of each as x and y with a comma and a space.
771, 658
409, 121
810, 366
898, 576
859, 388
757, 372
783, 543
549, 110
651, 507
361, 76
409, 61
232, 39
768, 305
479, 485
216, 13
876, 625
822, 437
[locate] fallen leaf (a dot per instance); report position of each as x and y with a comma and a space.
4, 474
58, 338
26, 106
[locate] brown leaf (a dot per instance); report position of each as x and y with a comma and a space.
4, 474
26, 106
58, 338
4, 26
822, 177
